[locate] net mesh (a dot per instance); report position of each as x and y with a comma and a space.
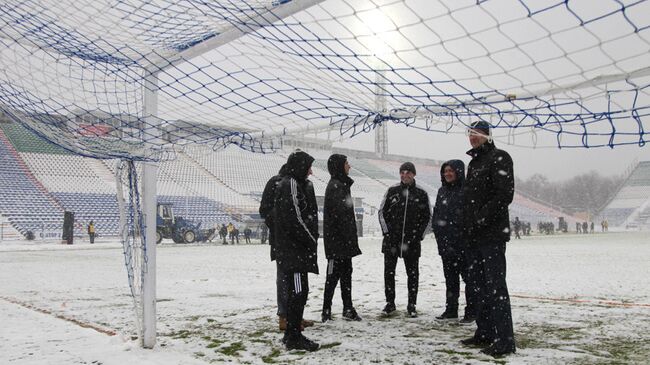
241, 72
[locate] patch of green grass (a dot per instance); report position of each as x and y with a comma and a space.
233, 349
548, 336
618, 350
526, 342
215, 343
259, 340
270, 358
455, 352
257, 333
182, 334
199, 354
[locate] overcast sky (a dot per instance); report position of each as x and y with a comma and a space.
556, 164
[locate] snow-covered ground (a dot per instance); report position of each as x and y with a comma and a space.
576, 299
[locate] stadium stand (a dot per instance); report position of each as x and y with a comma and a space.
25, 202
630, 206
209, 187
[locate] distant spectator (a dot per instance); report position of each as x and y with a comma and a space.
91, 232
264, 233
234, 235
606, 225
517, 227
585, 227
578, 227
247, 235
223, 233
591, 227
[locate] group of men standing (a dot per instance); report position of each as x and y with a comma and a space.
470, 221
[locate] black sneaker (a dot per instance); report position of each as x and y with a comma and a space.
475, 342
351, 315
389, 309
326, 315
410, 310
495, 351
301, 342
448, 315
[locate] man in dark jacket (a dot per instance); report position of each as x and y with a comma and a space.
447, 225
295, 216
340, 237
266, 212
488, 190
404, 215
223, 233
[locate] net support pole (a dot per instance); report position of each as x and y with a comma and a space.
381, 131
149, 200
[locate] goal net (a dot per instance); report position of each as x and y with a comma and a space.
243, 72
140, 80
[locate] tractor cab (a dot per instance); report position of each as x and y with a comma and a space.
166, 213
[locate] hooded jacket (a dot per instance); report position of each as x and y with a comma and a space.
447, 221
295, 217
404, 215
268, 203
339, 221
488, 191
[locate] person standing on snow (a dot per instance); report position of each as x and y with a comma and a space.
340, 237
404, 215
295, 216
267, 212
447, 226
488, 191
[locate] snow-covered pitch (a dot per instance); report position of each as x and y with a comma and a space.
582, 299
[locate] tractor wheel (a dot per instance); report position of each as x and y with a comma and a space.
189, 236
158, 237
177, 238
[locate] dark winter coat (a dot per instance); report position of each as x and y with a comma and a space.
267, 204
447, 222
339, 221
295, 217
489, 189
404, 215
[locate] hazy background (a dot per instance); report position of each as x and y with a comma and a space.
554, 163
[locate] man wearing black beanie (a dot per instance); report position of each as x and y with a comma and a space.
488, 190
404, 216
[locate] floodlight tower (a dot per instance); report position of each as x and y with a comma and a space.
378, 23
381, 131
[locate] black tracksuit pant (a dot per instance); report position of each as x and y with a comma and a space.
454, 268
412, 273
494, 321
338, 270
298, 288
